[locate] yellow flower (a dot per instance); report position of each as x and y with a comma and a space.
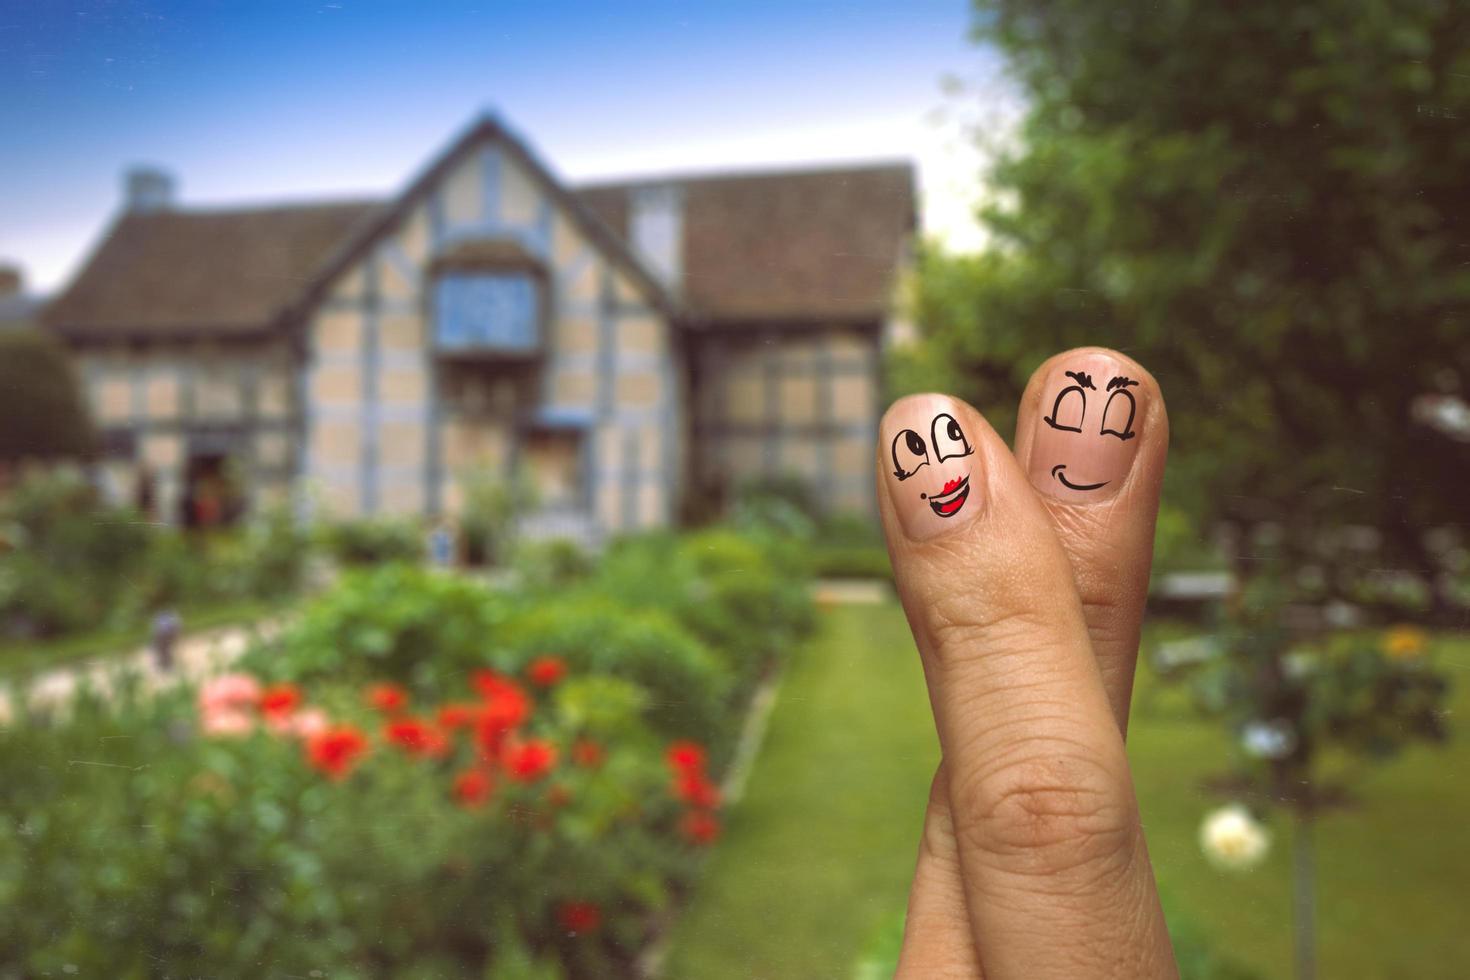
1404, 642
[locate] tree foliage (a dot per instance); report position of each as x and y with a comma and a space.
1265, 204
41, 404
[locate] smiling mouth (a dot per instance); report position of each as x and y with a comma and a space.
956, 492
1056, 471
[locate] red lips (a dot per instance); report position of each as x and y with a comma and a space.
951, 486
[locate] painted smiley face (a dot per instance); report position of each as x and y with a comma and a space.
1069, 413
946, 442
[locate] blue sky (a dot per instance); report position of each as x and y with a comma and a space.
268, 100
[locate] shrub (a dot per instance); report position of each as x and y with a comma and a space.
267, 558
553, 564
784, 504
428, 630
70, 562
40, 400
689, 688
374, 541
487, 521
404, 623
744, 594
288, 831
849, 546
66, 554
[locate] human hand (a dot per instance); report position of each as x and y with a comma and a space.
1024, 579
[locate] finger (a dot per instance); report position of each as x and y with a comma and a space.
1108, 532
937, 942
1108, 538
1055, 868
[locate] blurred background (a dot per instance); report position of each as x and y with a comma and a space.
437, 532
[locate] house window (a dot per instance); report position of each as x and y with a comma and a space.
494, 312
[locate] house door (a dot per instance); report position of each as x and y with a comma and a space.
554, 463
212, 493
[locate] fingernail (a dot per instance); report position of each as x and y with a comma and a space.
1087, 429
930, 464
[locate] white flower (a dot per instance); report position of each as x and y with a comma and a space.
1233, 839
1268, 739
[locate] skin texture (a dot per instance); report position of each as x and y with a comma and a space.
1026, 608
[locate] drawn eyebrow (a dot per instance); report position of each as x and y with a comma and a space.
1120, 382
1082, 379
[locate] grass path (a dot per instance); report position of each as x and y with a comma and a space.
819, 852
824, 841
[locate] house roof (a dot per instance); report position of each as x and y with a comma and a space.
488, 128
206, 271
815, 244
806, 244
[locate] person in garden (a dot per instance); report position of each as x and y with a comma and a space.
166, 627
1023, 577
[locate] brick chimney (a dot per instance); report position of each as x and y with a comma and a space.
147, 189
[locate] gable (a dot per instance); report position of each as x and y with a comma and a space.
489, 186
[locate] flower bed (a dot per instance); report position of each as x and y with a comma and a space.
413, 782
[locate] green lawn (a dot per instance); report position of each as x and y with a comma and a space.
819, 852
22, 658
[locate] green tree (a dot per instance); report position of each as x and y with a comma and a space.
1264, 203
41, 405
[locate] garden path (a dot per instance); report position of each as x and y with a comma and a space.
196, 655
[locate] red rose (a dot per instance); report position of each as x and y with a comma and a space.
579, 916
279, 700
546, 671
458, 715
472, 788
505, 706
507, 710
700, 827
696, 789
387, 698
336, 750
528, 761
587, 753
416, 737
686, 757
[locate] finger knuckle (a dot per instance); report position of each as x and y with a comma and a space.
964, 630
1048, 813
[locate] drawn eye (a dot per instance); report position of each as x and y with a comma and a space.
909, 453
1118, 415
948, 439
1068, 411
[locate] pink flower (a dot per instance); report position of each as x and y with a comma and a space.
308, 722
226, 723
229, 692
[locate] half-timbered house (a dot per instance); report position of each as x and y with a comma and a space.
624, 346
